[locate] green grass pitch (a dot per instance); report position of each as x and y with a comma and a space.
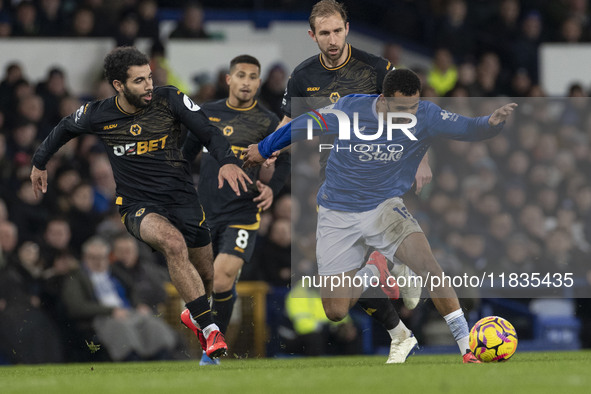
548, 372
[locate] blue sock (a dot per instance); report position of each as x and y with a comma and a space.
459, 329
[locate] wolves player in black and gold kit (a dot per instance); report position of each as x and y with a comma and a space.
140, 128
340, 70
234, 220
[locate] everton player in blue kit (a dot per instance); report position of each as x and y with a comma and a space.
140, 128
360, 200
234, 220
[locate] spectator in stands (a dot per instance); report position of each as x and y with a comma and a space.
571, 31
467, 77
583, 208
443, 74
393, 53
28, 212
283, 208
52, 21
103, 184
103, 299
471, 252
532, 223
275, 254
5, 24
454, 30
162, 72
12, 75
500, 230
148, 278
221, 86
26, 23
310, 332
561, 255
521, 83
501, 29
149, 26
30, 108
83, 220
273, 88
8, 242
23, 142
66, 178
191, 24
525, 48
6, 166
83, 23
127, 29
56, 240
3, 211
68, 105
27, 332
487, 74
517, 256
517, 166
52, 90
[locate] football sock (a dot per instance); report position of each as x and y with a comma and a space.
209, 329
201, 312
223, 304
380, 309
366, 274
459, 328
400, 331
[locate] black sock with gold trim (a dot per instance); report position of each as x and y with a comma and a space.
201, 311
382, 309
223, 305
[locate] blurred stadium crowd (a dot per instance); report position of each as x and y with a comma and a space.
517, 203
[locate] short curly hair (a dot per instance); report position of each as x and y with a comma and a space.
118, 61
326, 8
401, 80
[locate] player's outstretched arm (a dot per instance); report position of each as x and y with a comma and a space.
38, 181
234, 176
501, 114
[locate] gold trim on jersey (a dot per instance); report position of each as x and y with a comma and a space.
241, 109
337, 67
119, 201
254, 226
121, 109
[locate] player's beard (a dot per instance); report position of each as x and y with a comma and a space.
336, 56
135, 99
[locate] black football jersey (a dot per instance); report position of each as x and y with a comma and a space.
361, 73
241, 127
143, 147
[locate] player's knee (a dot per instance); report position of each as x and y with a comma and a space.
223, 282
175, 246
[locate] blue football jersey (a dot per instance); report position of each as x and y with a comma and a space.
366, 167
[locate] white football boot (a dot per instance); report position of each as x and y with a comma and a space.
401, 348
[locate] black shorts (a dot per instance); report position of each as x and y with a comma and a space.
236, 240
188, 219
